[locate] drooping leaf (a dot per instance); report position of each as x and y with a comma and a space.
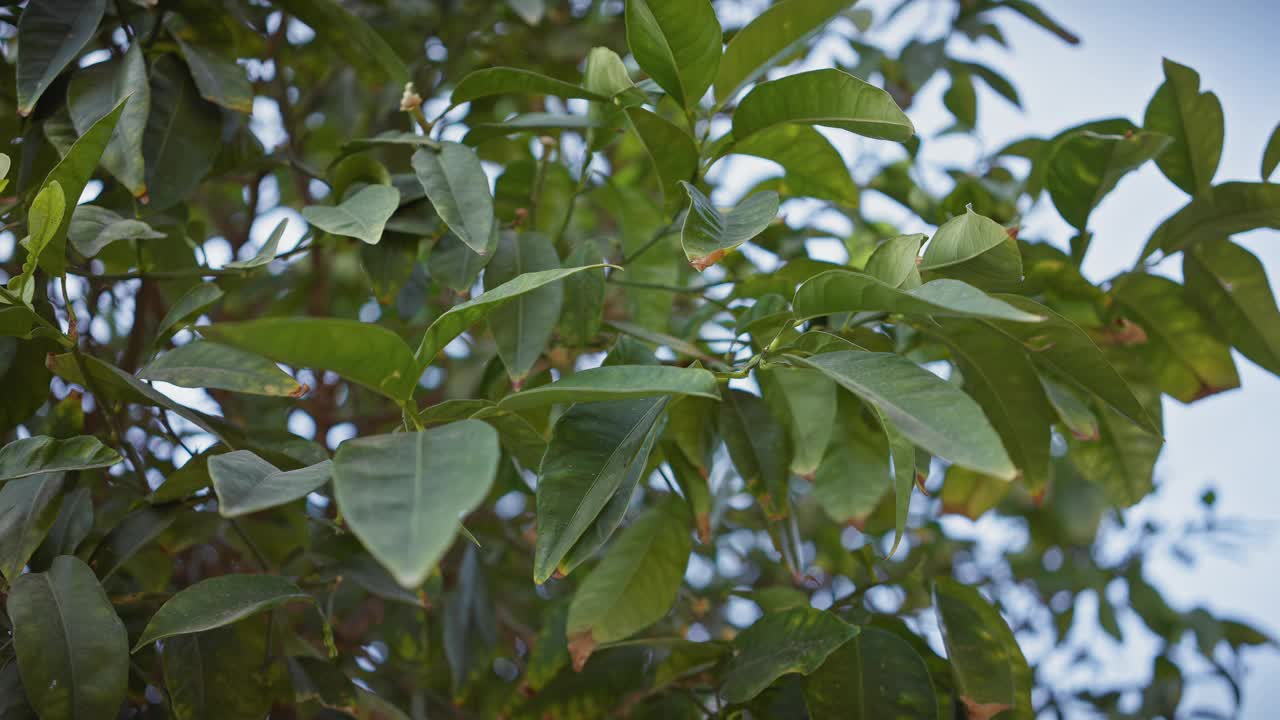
594, 450
28, 508
672, 152
759, 447
51, 33
990, 672
361, 216
831, 98
183, 135
678, 43
193, 301
93, 228
218, 602
792, 641
635, 583
458, 318
1122, 460
72, 649
1222, 210
895, 261
1086, 166
773, 35
854, 474
1229, 284
523, 327
403, 495
838, 291
617, 382
223, 367
487, 82
368, 354
805, 401
43, 454
352, 38
245, 483
1193, 121
902, 456
708, 234
934, 414
94, 91
457, 186
267, 252
874, 676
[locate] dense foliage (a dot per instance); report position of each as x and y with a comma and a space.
434, 359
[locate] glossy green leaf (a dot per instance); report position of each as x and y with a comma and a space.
772, 36
1087, 165
523, 327
1193, 121
72, 649
1182, 353
875, 676
403, 495
1223, 210
991, 675
1229, 284
595, 450
854, 474
51, 33
1271, 155
28, 508
183, 136
933, 413
43, 454
352, 38
94, 91
460, 317
617, 382
205, 673
457, 186
361, 216
213, 68
487, 82
831, 98
814, 168
69, 529
245, 483
635, 583
709, 234
838, 291
584, 297
267, 252
93, 228
678, 43
793, 641
218, 602
673, 153
895, 261
223, 367
72, 173
974, 244
197, 299
805, 401
364, 353
759, 447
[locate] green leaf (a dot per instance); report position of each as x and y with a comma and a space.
28, 508
205, 674
523, 327
218, 602
364, 353
537, 123
43, 454
1086, 166
245, 483
990, 673
197, 299
137, 530
72, 173
361, 216
51, 33
470, 626
213, 67
223, 367
831, 98
183, 136
457, 266
93, 228
838, 291
458, 318
72, 649
673, 153
596, 449
875, 676
854, 474
933, 413
1226, 209
352, 38
267, 252
72, 525
758, 446
971, 494
708, 234
1193, 121
961, 99
94, 91
43, 221
902, 455
678, 43
403, 495
772, 36
584, 297
457, 186
606, 74
895, 261
805, 402
814, 168
1271, 155
1182, 353
972, 243
1229, 284
792, 641
616, 382
487, 82
1073, 412
635, 583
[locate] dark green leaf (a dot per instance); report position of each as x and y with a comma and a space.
772, 36
213, 68
51, 33
708, 234
183, 135
523, 327
207, 675
831, 98
1086, 166
193, 301
218, 602
678, 43
673, 153
94, 91
793, 641
43, 454
1271, 155
874, 676
759, 447
814, 168
1226, 209
27, 511
245, 483
351, 38
584, 297
805, 401
1229, 284
223, 367
457, 266
361, 216
458, 188
990, 672
1193, 121
617, 382
514, 81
